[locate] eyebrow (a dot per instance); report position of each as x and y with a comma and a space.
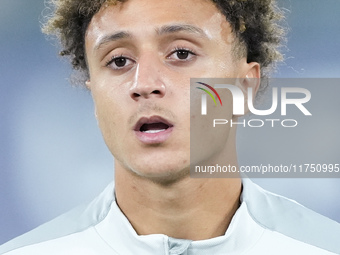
111, 38
170, 29
167, 29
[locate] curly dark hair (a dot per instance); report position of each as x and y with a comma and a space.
255, 23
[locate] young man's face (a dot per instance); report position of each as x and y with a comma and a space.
141, 56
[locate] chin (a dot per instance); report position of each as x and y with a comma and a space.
163, 175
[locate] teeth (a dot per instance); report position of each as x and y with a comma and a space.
153, 131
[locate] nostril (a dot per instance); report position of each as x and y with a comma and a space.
146, 92
157, 92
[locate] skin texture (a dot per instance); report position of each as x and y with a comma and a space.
153, 186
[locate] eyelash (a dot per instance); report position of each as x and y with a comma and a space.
176, 49
113, 58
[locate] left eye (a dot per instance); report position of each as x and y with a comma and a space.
120, 62
182, 54
117, 63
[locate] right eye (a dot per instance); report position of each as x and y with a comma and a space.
117, 63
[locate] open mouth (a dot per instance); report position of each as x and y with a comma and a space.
153, 130
154, 127
154, 124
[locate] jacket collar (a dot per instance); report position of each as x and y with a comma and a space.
242, 233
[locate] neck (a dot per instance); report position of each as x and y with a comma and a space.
190, 208
193, 209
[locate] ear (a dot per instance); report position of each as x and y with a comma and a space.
251, 79
95, 114
88, 84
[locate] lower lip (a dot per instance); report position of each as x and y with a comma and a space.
154, 138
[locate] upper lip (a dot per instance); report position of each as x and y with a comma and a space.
150, 120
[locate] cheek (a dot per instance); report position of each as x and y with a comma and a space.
205, 139
110, 113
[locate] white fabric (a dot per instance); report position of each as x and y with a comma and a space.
253, 231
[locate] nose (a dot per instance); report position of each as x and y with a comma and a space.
148, 82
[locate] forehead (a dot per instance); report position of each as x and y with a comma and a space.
141, 18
